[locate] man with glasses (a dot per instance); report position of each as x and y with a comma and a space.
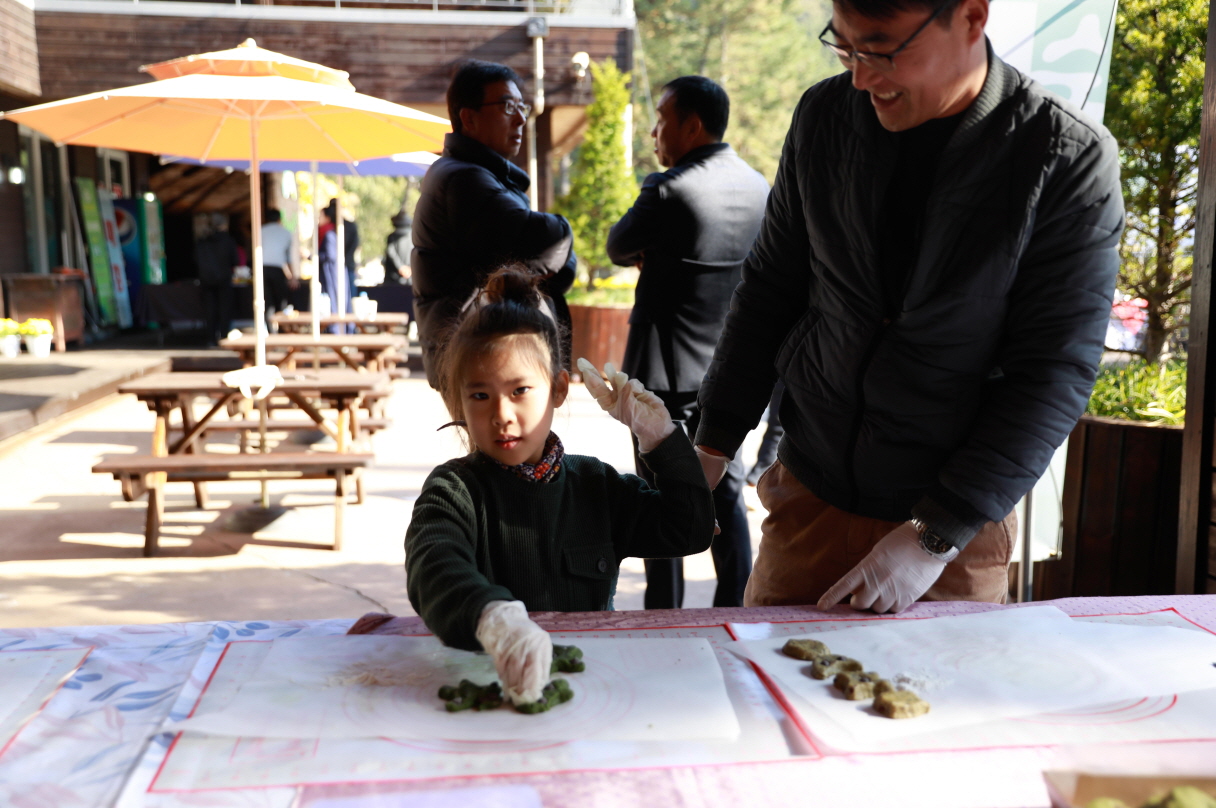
932, 282
473, 214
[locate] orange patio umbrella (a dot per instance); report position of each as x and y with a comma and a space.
245, 103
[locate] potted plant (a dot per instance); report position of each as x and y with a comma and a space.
1121, 487
599, 319
38, 334
10, 338
601, 191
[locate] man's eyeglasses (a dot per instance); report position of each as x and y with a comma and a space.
882, 62
509, 107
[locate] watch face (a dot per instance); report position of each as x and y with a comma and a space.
935, 544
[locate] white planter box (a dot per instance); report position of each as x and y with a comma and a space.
39, 345
10, 346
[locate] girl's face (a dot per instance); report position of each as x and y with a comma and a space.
509, 400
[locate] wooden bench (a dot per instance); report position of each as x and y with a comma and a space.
148, 473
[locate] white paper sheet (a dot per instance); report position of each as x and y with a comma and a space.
632, 689
27, 680
990, 666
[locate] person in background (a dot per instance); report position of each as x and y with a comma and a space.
350, 244
689, 231
932, 282
333, 280
397, 250
280, 261
216, 257
474, 216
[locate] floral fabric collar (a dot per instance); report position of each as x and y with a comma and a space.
546, 468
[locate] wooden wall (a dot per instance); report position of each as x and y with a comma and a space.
398, 62
18, 51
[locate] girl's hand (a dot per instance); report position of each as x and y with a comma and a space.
629, 402
521, 650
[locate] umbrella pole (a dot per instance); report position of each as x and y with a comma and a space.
259, 290
314, 285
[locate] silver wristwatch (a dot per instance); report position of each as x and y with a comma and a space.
934, 544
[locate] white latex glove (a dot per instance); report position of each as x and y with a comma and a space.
891, 578
629, 402
713, 466
522, 651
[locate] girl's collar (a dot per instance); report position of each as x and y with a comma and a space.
544, 470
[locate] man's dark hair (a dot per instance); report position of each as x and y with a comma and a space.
274, 215
697, 94
469, 84
885, 9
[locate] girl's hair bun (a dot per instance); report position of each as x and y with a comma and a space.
513, 283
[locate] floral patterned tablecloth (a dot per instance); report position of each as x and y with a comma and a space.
98, 741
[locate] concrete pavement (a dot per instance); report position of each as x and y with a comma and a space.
70, 552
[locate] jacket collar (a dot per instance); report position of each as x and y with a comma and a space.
466, 149
999, 85
703, 152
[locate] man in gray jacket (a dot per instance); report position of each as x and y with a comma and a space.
931, 282
689, 231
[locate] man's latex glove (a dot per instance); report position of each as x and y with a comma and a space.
629, 402
713, 466
522, 651
891, 578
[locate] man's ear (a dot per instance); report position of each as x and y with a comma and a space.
975, 15
467, 120
561, 388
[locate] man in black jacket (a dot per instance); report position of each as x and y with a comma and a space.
932, 282
689, 231
473, 215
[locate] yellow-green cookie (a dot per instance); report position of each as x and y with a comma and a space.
900, 704
832, 664
805, 649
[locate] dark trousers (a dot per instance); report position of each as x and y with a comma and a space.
731, 549
217, 308
767, 455
276, 288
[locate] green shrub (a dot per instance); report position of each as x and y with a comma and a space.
1138, 391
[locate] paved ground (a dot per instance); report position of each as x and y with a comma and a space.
71, 549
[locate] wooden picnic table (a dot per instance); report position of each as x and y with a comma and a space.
342, 390
375, 352
300, 322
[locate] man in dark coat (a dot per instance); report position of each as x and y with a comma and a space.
689, 231
473, 215
397, 249
932, 282
216, 257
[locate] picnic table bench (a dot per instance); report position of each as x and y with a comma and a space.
300, 322
181, 461
142, 474
361, 352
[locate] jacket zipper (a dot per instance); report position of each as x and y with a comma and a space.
859, 413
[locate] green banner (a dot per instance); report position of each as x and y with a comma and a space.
99, 249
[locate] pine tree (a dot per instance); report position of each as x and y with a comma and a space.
1153, 108
601, 185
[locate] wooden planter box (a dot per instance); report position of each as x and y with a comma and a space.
56, 298
598, 333
1120, 511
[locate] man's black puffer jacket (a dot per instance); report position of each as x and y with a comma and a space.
473, 216
950, 407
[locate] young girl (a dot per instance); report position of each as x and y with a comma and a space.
519, 525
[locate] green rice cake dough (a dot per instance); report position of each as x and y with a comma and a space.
809, 650
828, 666
857, 686
900, 704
